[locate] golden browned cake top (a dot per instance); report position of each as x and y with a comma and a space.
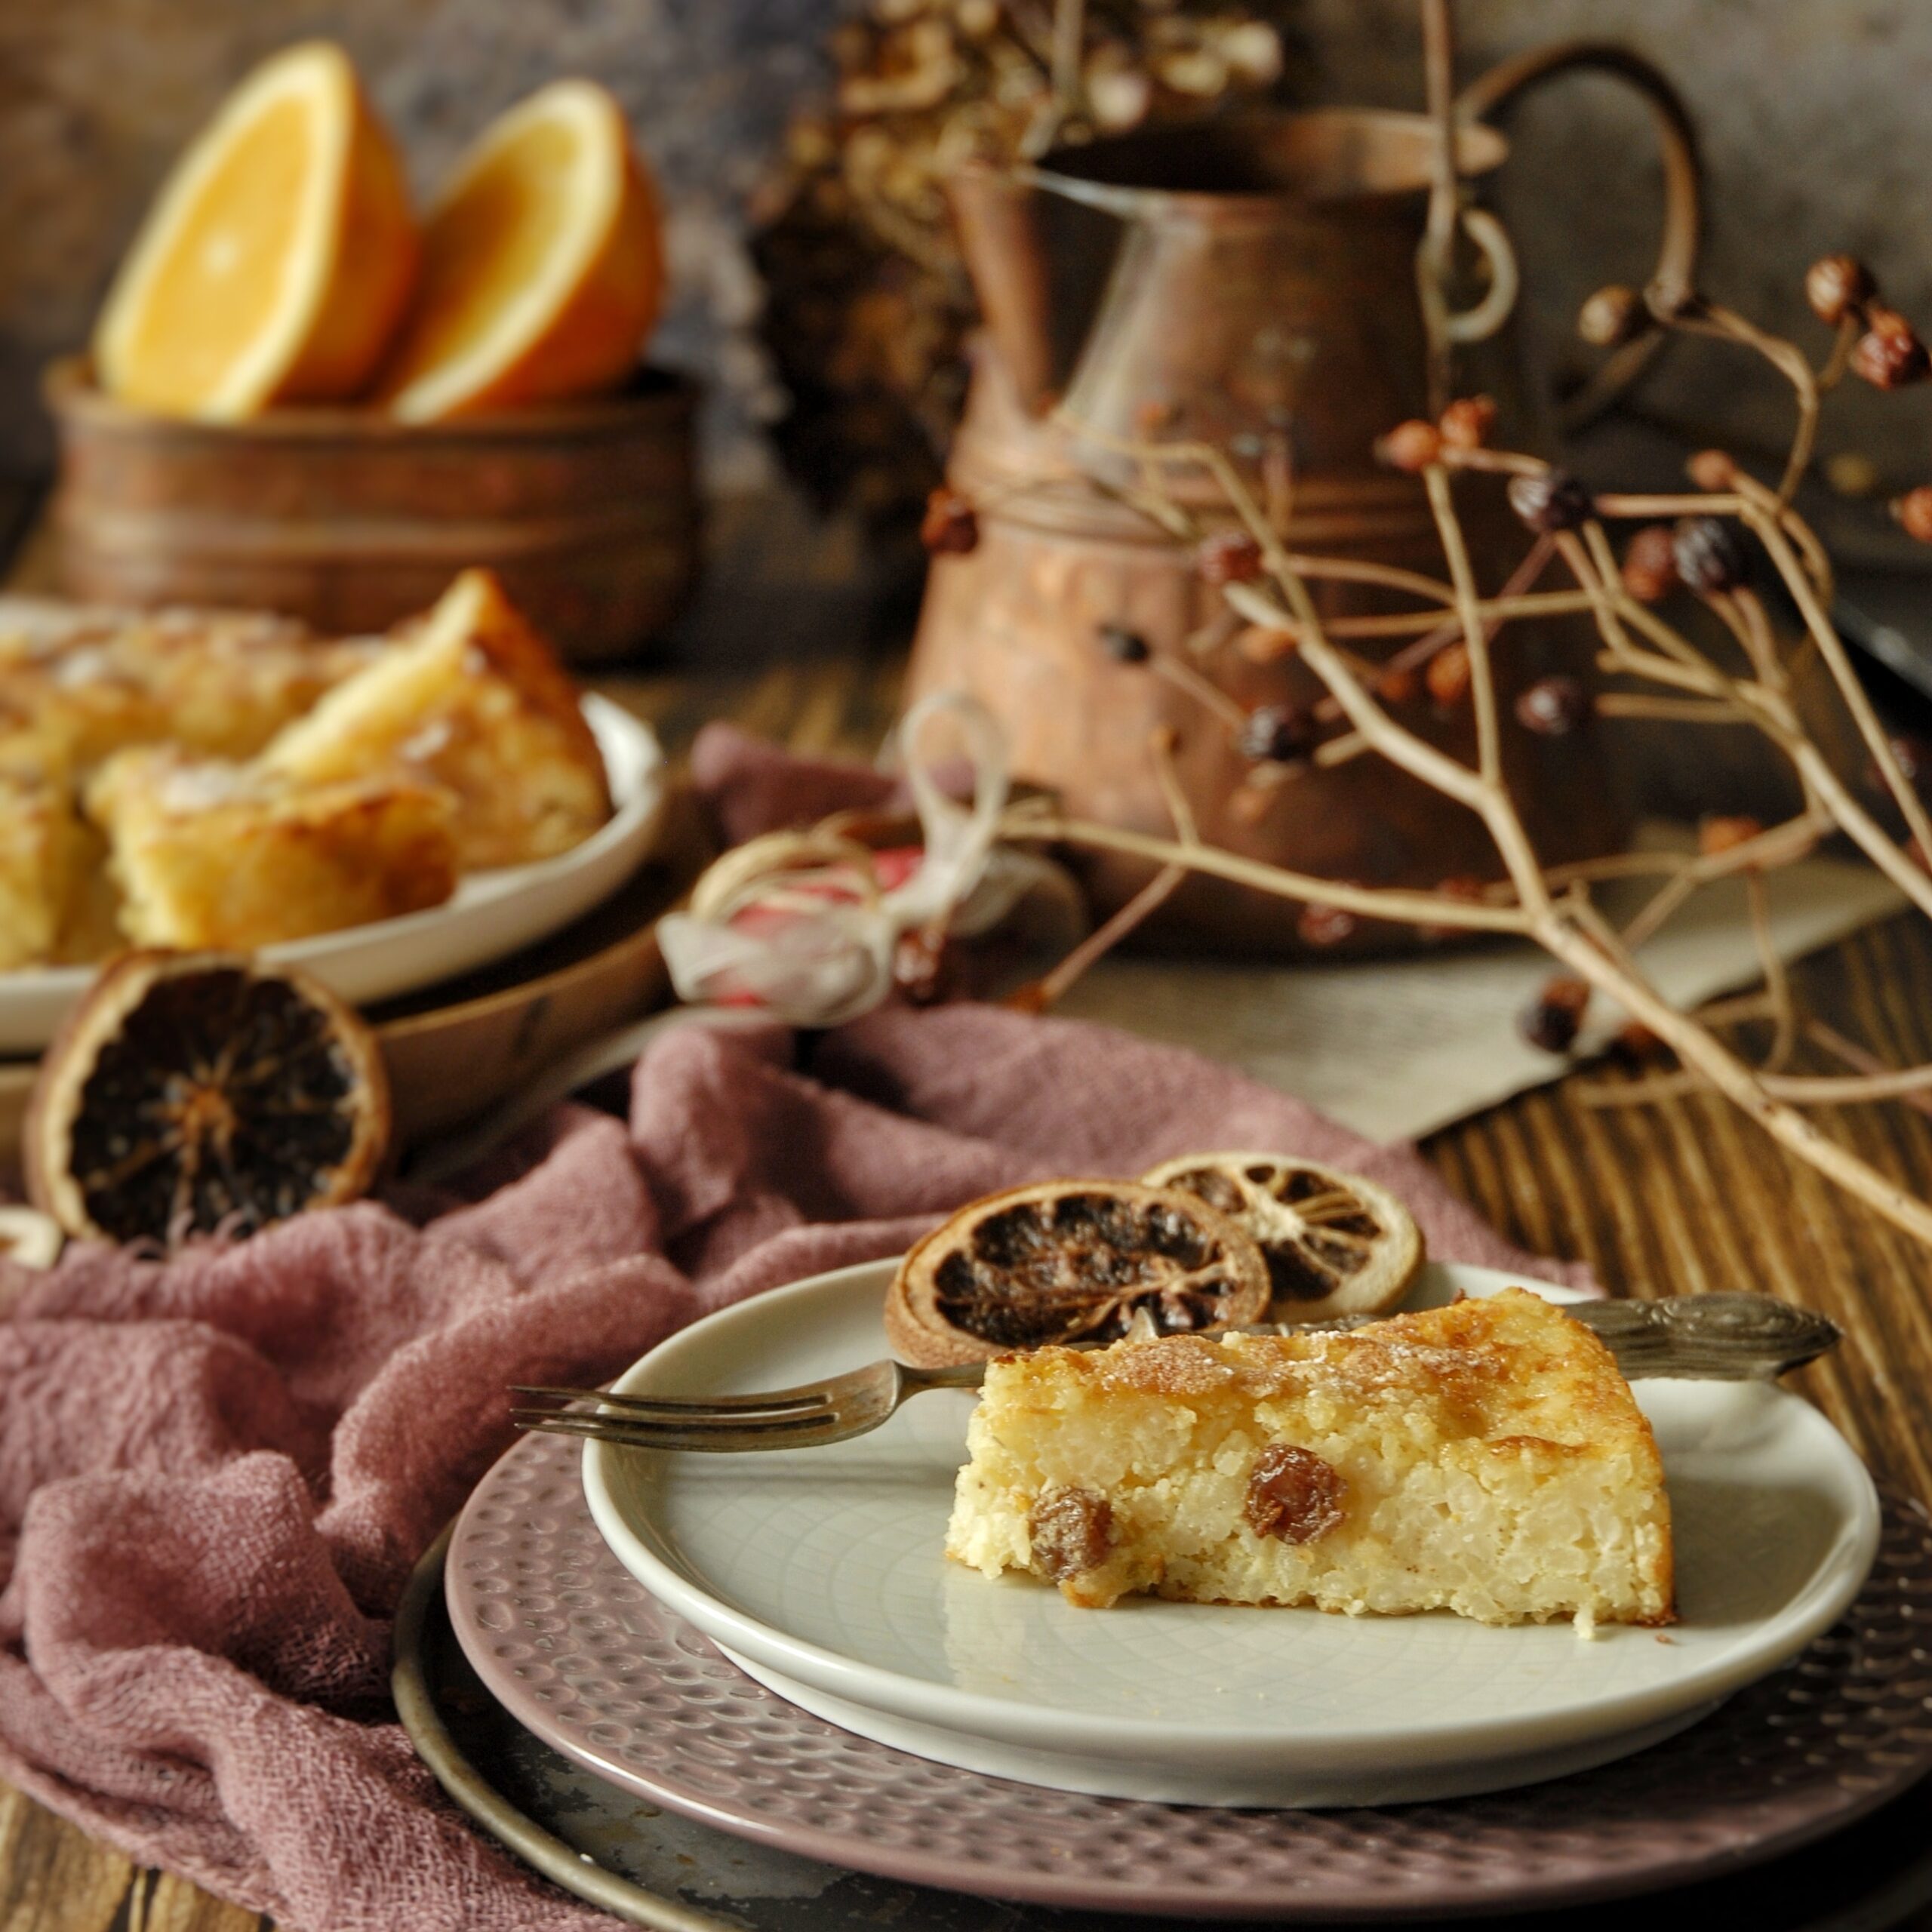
25, 748
44, 630
504, 637
217, 681
1511, 1363
153, 786
470, 697
380, 768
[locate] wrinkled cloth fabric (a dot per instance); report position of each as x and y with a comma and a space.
217, 1471
747, 785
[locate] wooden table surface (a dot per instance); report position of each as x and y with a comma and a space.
1674, 1198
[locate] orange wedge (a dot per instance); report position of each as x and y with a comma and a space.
277, 259
542, 264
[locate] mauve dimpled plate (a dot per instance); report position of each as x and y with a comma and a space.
579, 1652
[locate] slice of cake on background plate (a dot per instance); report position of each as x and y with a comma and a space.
1487, 1458
468, 697
42, 845
206, 853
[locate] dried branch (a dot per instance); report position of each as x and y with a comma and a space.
1427, 908
1569, 927
1777, 983
1475, 632
1627, 606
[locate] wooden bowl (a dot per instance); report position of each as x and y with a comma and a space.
349, 520
452, 1060
456, 1049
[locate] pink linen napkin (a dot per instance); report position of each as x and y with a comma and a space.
216, 1472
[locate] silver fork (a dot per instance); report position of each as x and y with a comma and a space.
814, 1412
1728, 1337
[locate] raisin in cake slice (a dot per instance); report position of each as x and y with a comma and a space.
1486, 1458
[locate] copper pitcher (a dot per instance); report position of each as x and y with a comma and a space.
1249, 282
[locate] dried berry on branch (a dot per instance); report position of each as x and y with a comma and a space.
1552, 707
1464, 888
1913, 512
1889, 353
1229, 556
1716, 832
1611, 316
1913, 756
1466, 423
1449, 675
1649, 564
1713, 470
1277, 734
1410, 446
1635, 1047
1397, 685
1838, 286
951, 525
1326, 925
1708, 557
1550, 499
1555, 1017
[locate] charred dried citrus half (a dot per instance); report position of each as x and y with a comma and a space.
1071, 1261
1334, 1244
190, 1092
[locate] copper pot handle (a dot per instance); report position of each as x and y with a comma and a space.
1675, 274
1491, 240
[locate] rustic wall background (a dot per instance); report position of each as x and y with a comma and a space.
1812, 116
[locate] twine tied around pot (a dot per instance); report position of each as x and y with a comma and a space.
808, 924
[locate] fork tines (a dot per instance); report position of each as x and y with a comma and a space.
773, 1421
787, 1403
585, 1421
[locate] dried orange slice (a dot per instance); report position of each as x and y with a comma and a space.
278, 258
542, 264
1334, 1242
191, 1092
1071, 1261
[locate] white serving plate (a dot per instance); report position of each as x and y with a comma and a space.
821, 1572
489, 915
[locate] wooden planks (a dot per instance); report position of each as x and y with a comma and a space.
52, 1876
159, 1902
1686, 1196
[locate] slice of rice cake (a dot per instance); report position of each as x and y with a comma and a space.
1487, 1458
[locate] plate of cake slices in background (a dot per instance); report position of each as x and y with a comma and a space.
1446, 1549
387, 812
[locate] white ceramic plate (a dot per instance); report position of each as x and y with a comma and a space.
821, 1572
490, 914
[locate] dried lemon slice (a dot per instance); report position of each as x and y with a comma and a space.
1334, 1242
190, 1092
1071, 1261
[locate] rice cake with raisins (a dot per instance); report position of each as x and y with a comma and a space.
1487, 1458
